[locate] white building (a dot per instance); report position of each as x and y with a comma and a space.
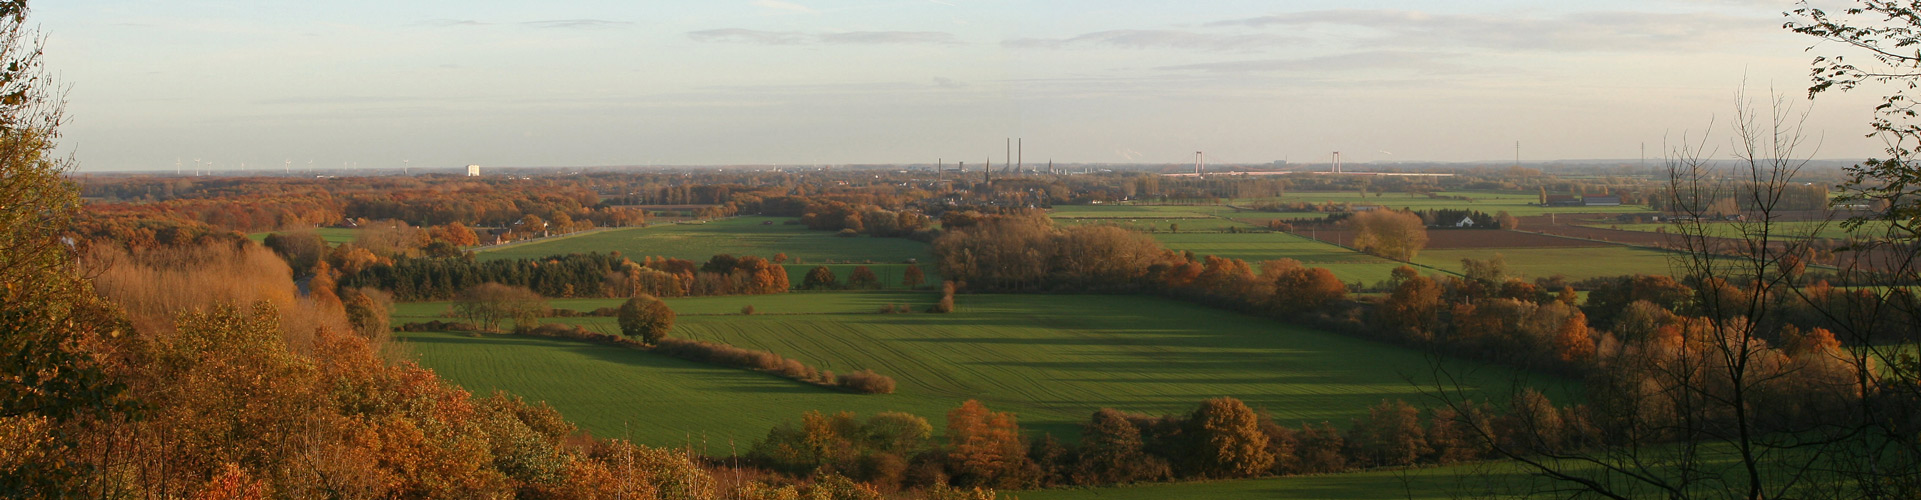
473, 170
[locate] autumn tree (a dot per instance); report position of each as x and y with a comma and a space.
1388, 233
1307, 289
369, 310
896, 432
1112, 452
1391, 434
1414, 306
391, 238
487, 304
985, 447
46, 308
820, 278
1320, 449
759, 276
946, 302
646, 318
913, 277
1227, 440
300, 248
456, 234
862, 278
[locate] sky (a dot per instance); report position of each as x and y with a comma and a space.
445, 83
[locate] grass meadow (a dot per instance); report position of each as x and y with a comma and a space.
1051, 359
745, 235
1514, 203
1574, 263
1433, 483
332, 235
1261, 246
740, 236
1785, 229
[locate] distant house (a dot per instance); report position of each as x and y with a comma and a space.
473, 170
1560, 200
1465, 222
1609, 200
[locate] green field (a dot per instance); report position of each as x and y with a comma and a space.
332, 235
1051, 359
747, 235
1165, 225
1514, 203
1575, 263
1780, 230
1138, 211
1149, 218
1437, 483
1256, 247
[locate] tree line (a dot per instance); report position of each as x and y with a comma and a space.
573, 275
1221, 438
1647, 346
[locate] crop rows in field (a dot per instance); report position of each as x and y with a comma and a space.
1051, 359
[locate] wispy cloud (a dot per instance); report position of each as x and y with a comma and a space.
782, 6
578, 24
1587, 31
1358, 61
889, 37
551, 23
739, 35
1148, 39
455, 22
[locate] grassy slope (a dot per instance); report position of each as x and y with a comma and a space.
738, 236
1437, 483
746, 235
1051, 359
1780, 229
1514, 203
332, 235
1254, 248
1575, 263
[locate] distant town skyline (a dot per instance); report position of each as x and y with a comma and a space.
443, 84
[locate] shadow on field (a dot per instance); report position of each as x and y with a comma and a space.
737, 379
455, 338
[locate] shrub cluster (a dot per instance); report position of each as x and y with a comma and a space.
1221, 438
438, 326
865, 381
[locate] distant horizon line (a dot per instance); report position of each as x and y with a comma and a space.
1180, 165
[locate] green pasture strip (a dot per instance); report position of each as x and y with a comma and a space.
739, 236
1052, 359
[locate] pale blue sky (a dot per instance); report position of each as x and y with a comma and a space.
584, 83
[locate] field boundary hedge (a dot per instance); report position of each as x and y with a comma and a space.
700, 351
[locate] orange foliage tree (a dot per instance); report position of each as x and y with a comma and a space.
987, 449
